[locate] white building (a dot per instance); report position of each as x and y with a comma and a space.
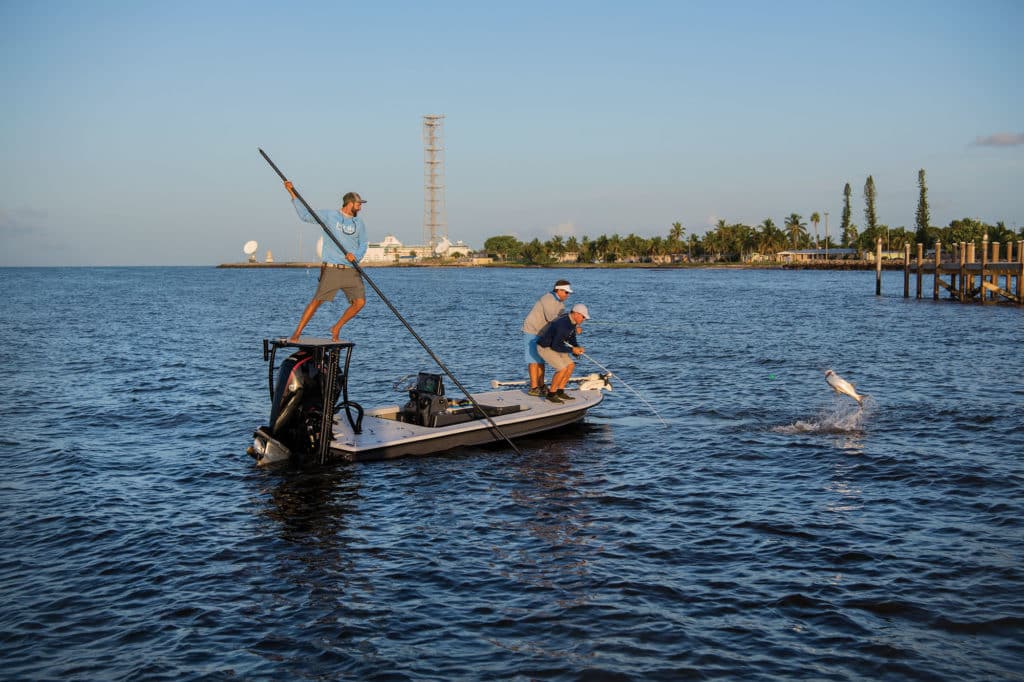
383, 252
390, 250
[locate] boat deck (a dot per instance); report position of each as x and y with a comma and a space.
384, 437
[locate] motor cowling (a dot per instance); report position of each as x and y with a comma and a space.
296, 411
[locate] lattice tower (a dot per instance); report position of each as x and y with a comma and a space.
435, 225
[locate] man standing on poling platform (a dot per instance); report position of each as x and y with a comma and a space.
335, 273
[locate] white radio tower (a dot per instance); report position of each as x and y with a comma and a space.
435, 227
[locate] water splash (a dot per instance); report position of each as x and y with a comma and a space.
840, 419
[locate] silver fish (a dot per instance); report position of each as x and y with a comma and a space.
842, 386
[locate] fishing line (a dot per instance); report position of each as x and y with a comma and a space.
611, 374
657, 327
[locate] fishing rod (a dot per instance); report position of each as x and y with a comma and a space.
610, 374
384, 298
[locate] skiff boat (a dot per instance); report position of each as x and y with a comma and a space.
312, 417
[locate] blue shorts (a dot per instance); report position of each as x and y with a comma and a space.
532, 356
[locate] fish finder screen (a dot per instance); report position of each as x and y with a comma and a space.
429, 383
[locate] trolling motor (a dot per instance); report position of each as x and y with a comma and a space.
312, 386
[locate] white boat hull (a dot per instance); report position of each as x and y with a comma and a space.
384, 437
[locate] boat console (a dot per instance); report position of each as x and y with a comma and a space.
428, 405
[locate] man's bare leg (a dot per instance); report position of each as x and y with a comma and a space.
536, 374
349, 313
307, 315
561, 378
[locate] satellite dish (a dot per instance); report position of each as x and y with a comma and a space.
442, 246
320, 248
250, 247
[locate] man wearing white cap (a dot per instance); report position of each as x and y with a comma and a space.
555, 344
549, 307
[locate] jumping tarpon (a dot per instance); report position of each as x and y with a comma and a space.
842, 386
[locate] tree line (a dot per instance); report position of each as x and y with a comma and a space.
738, 242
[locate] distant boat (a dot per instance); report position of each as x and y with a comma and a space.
304, 426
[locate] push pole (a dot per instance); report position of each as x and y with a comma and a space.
384, 298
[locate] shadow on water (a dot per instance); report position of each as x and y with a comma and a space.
311, 506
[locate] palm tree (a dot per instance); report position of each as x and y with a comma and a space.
715, 239
613, 252
676, 233
655, 249
572, 246
797, 228
587, 250
555, 246
850, 236
771, 238
815, 218
634, 246
675, 237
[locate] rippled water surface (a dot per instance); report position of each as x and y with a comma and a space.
771, 530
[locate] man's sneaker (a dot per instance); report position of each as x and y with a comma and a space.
555, 398
538, 392
563, 395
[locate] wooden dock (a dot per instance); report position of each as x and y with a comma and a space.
967, 279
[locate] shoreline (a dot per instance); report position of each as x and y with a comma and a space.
830, 265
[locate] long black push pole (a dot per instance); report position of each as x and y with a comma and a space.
384, 298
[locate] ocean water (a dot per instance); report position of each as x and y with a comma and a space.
768, 529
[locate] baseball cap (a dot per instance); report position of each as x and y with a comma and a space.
564, 287
582, 310
352, 196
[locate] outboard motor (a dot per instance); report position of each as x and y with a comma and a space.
297, 407
426, 401
312, 384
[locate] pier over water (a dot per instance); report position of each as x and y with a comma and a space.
970, 279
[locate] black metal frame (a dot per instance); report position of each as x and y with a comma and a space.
327, 355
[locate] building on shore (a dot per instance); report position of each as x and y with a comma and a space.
390, 250
806, 255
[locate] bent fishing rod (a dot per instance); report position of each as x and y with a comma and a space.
384, 298
611, 374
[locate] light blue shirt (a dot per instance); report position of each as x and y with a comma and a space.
351, 232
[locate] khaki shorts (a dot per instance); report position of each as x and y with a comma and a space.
557, 360
333, 278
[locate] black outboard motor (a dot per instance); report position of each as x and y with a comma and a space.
297, 408
312, 384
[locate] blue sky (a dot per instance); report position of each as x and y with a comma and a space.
130, 130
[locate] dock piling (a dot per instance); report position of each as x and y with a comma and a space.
906, 270
878, 267
969, 280
920, 263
